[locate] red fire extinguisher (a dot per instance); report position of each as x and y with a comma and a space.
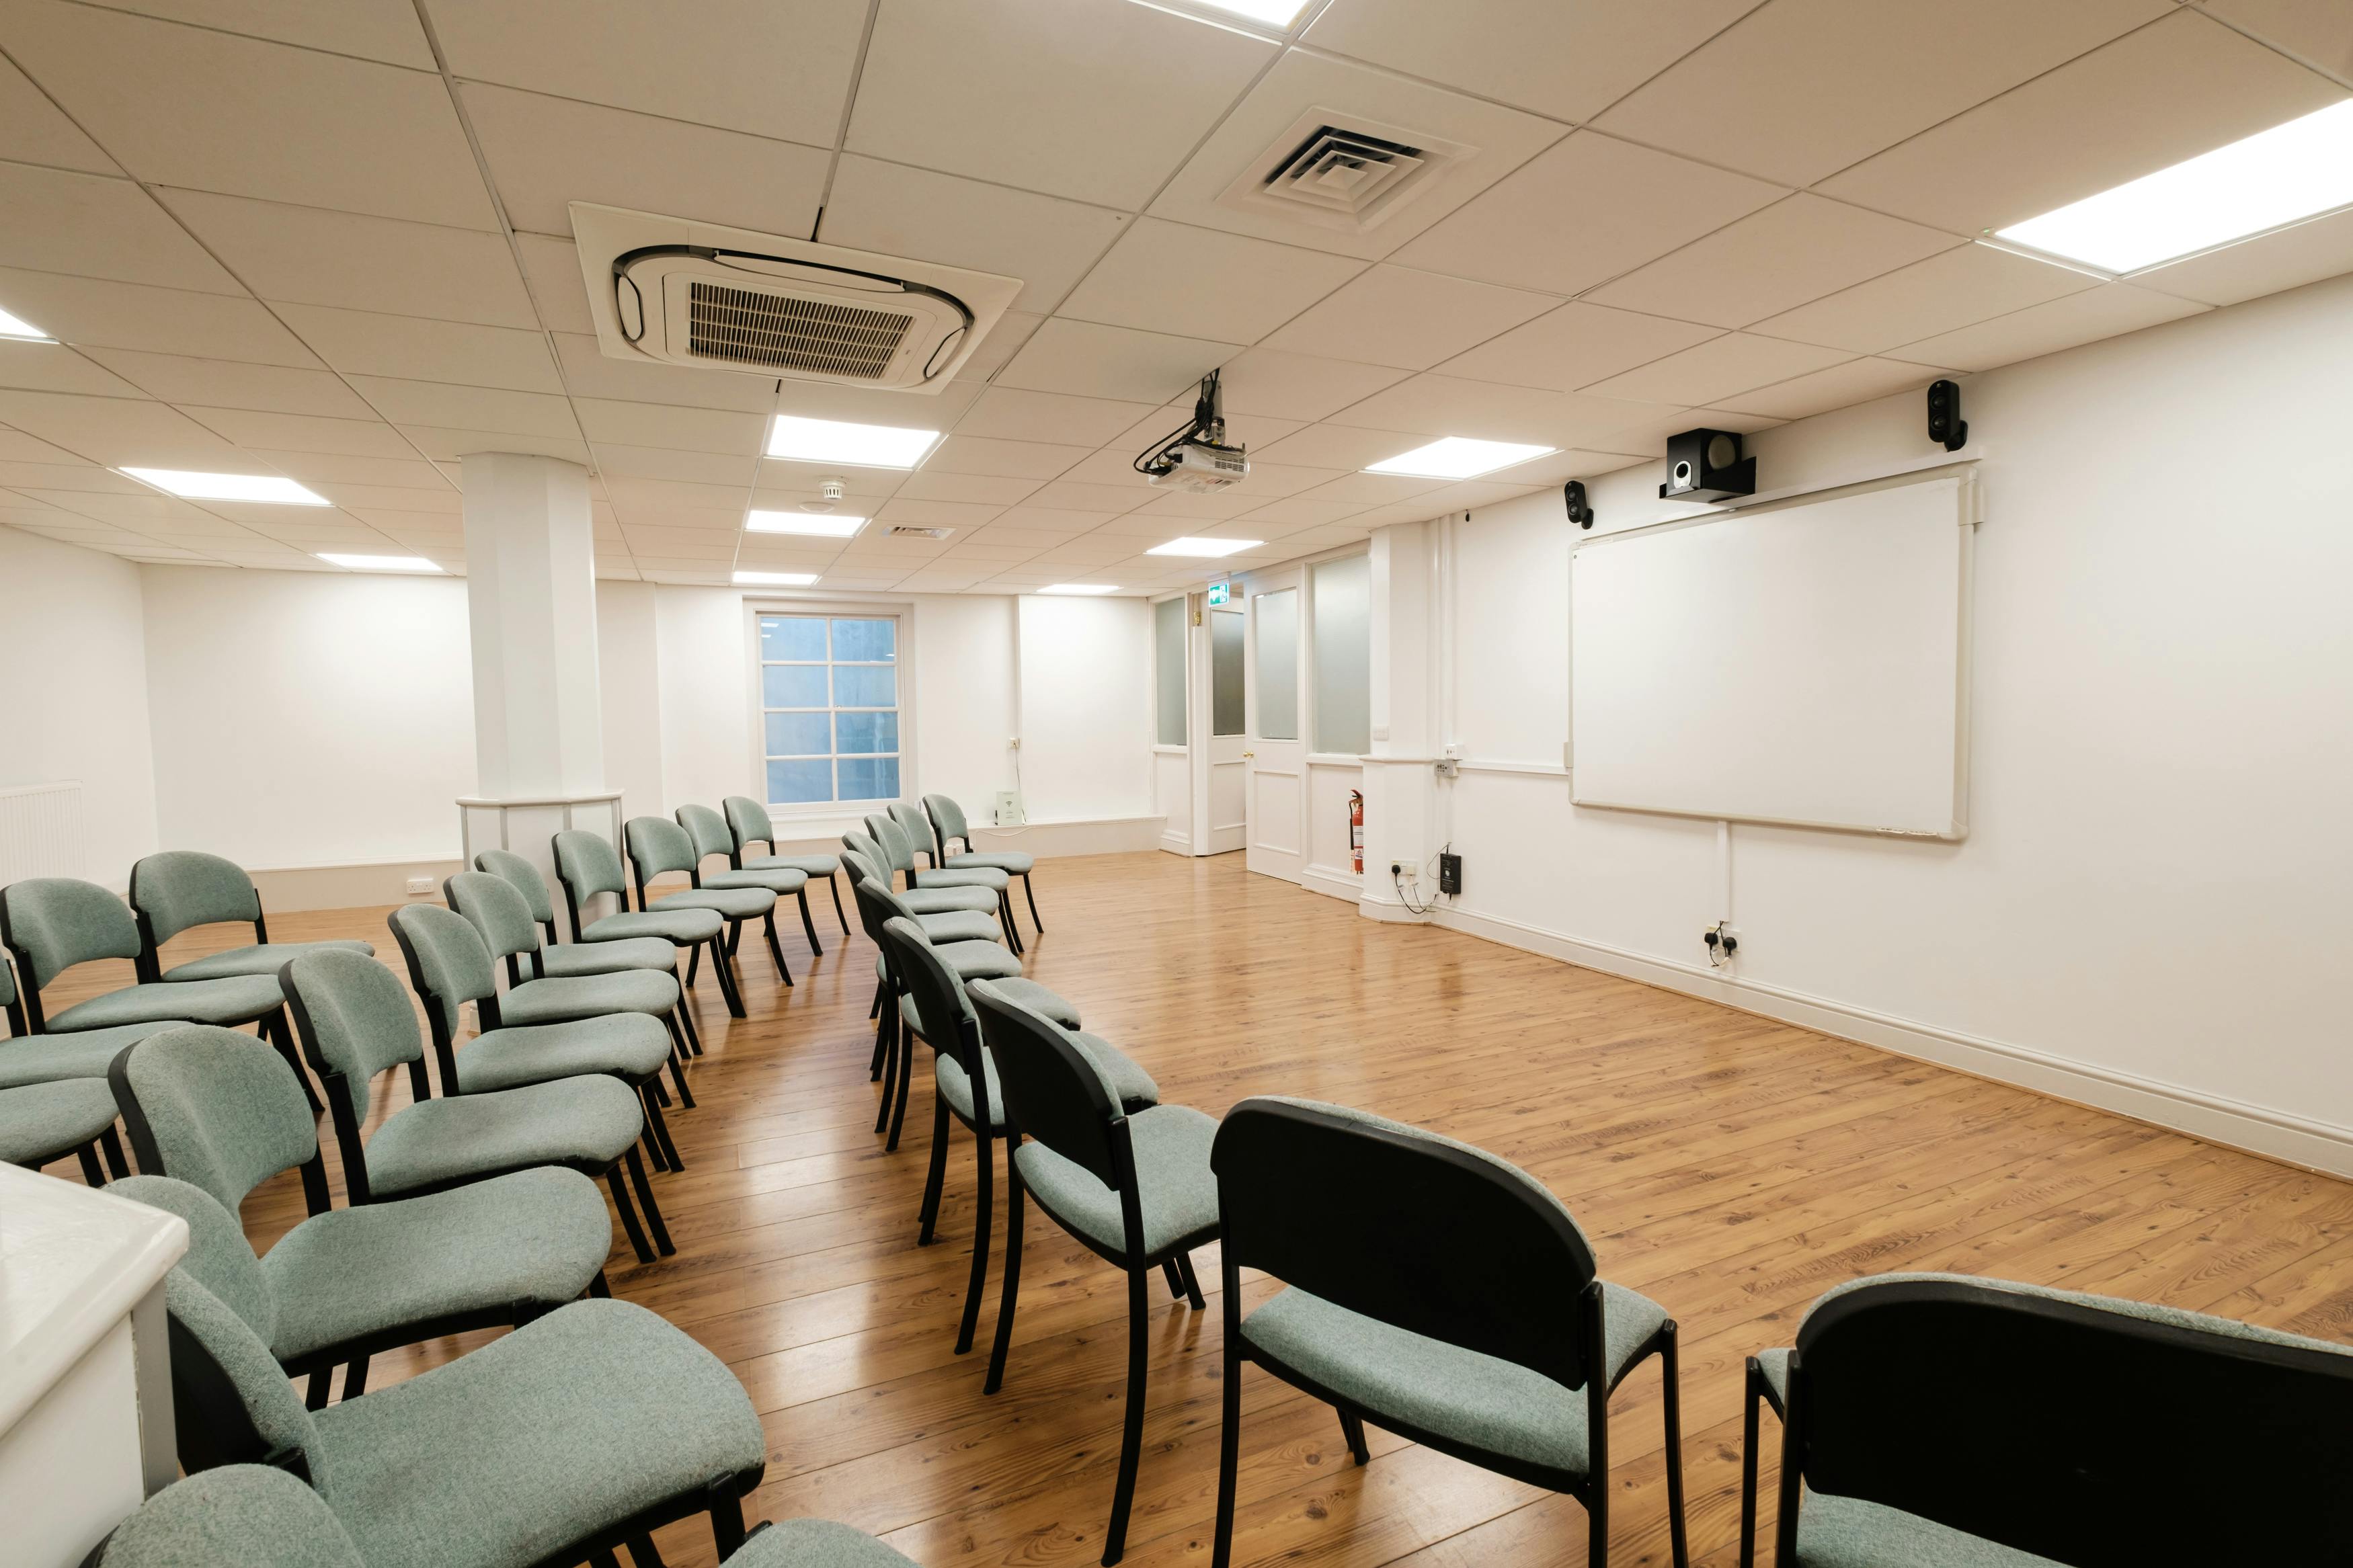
1356, 830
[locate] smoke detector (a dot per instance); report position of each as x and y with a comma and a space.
830, 493
1342, 172
675, 291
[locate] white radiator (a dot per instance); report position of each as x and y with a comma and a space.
40, 831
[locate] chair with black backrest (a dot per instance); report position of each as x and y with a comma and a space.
1452, 1299
588, 867
1134, 1188
1939, 1418
708, 829
555, 959
899, 845
970, 944
213, 1114
180, 889
357, 1021
581, 1432
560, 1032
934, 1008
949, 826
50, 924
748, 824
658, 846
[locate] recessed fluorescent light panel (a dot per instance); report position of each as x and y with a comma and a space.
15, 327
1273, 13
1458, 458
2272, 179
379, 563
776, 579
271, 488
816, 525
1211, 548
836, 441
1081, 588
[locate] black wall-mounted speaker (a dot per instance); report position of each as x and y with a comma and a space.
1945, 421
1580, 511
1707, 465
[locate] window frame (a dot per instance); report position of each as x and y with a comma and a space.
899, 611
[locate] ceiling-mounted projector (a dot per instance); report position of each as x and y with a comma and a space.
680, 292
1196, 460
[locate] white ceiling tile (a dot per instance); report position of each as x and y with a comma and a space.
225, 383
748, 64
405, 506
590, 374
63, 221
1575, 346
1407, 319
363, 342
1269, 382
17, 446
1301, 83
1069, 497
24, 473
119, 432
1585, 211
2176, 88
1221, 507
634, 494
1434, 405
894, 210
1800, 89
547, 151
36, 130
1718, 368
53, 367
987, 490
317, 468
1012, 414
1339, 447
2055, 324
654, 424
367, 437
1089, 360
1115, 465
1171, 277
1797, 250
444, 445
385, 30
1950, 290
178, 106
936, 513
1371, 489
551, 270
93, 312
996, 349
1112, 97
735, 469
1294, 510
1557, 467
1063, 521
467, 407
2292, 256
146, 509
307, 257
1841, 385
937, 409
1569, 61
2317, 31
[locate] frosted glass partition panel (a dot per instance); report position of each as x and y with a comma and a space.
1168, 669
1225, 672
1278, 663
1343, 655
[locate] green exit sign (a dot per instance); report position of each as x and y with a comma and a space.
1220, 593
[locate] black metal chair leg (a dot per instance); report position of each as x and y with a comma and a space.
1748, 1465
279, 1032
1176, 1281
90, 1173
734, 937
1352, 1430
109, 1142
1192, 1283
838, 914
628, 1213
662, 1141
983, 1204
726, 1524
817, 948
1030, 894
356, 1377
677, 1077
693, 962
776, 948
600, 1286
686, 1021
937, 1179
643, 1553
314, 1392
723, 966
1230, 1449
645, 1202
1673, 1402
1131, 1438
894, 1038
1003, 1341
906, 1071
881, 1050
1004, 923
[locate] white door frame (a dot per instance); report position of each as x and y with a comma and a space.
1276, 782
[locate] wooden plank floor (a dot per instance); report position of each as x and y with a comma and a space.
1731, 1167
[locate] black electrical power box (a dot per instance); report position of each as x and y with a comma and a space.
1449, 874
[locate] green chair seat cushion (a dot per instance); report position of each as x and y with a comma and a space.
261, 958
535, 1238
942, 901
777, 880
584, 1121
809, 866
816, 1543
1012, 862
628, 1045
959, 925
1175, 1189
1847, 1533
565, 961
567, 1426
963, 876
733, 903
254, 1515
680, 927
967, 960
39, 1122
238, 999
1481, 1400
1127, 1079
45, 1058
588, 996
1027, 993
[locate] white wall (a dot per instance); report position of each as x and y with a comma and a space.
1086, 708
2148, 910
73, 703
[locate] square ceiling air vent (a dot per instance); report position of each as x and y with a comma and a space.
1342, 172
902, 530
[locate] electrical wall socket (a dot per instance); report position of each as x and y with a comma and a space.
420, 887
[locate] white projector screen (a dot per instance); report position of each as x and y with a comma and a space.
1805, 665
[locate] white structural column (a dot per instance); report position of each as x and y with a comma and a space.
531, 592
1401, 799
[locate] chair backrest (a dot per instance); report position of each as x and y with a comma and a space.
215, 1108
935, 993
857, 842
708, 830
231, 1402
355, 1022
1437, 1236
250, 1515
1054, 1090
587, 864
2027, 1415
449, 963
747, 820
499, 915
181, 888
52, 923
522, 876
218, 1255
947, 821
916, 827
897, 853
9, 1002
876, 902
655, 846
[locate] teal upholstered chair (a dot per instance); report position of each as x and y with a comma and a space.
966, 943
709, 831
46, 1058
748, 824
657, 847
358, 1022
580, 1432
949, 828
1132, 1187
180, 889
590, 867
1939, 1418
213, 1114
969, 899
899, 844
502, 918
450, 957
554, 958
1449, 1299
44, 1122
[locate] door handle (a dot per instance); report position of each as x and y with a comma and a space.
1247, 755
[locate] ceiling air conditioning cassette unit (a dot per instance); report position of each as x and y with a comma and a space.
675, 291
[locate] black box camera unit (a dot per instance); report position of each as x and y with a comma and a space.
1706, 464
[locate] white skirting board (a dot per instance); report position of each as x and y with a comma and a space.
1332, 882
2295, 1141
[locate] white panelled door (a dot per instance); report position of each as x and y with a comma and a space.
1222, 803
1277, 778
